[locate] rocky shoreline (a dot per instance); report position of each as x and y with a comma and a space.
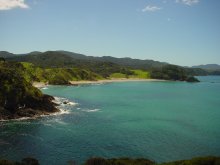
37, 108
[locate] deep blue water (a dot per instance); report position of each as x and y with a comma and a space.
162, 121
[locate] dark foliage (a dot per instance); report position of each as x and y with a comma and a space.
2, 59
209, 160
104, 66
29, 161
97, 161
5, 54
196, 72
58, 59
208, 67
18, 97
192, 79
172, 72
25, 161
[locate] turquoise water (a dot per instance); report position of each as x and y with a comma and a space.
162, 121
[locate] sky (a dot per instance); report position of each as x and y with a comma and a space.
182, 32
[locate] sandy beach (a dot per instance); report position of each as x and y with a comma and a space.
43, 85
113, 80
39, 84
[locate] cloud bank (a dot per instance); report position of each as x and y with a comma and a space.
10, 4
188, 2
150, 8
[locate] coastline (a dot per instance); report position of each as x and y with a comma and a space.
82, 82
114, 80
40, 114
39, 84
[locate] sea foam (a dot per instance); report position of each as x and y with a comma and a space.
91, 110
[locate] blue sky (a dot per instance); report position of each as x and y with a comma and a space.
183, 32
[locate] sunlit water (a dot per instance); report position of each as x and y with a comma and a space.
162, 121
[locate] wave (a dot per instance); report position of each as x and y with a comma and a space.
19, 119
61, 112
63, 101
64, 105
91, 110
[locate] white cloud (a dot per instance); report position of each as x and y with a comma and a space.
10, 4
188, 2
151, 8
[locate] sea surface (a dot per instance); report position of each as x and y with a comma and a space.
161, 121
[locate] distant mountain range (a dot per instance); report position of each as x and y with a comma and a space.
5, 54
208, 66
65, 58
102, 65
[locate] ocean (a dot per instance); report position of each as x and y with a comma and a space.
161, 121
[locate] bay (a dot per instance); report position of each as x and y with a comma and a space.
161, 121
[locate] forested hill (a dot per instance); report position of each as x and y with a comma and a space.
5, 54
18, 98
64, 58
106, 66
126, 61
208, 66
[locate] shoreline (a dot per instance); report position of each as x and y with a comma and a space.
40, 84
60, 112
114, 80
85, 82
43, 113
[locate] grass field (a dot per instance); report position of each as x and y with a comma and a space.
137, 74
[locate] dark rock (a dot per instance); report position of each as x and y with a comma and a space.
29, 161
18, 98
65, 102
192, 79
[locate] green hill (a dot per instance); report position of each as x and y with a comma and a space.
208, 67
172, 72
56, 76
103, 67
18, 98
56, 59
5, 54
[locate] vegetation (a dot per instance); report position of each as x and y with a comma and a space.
56, 76
208, 66
18, 97
210, 160
140, 74
55, 59
118, 75
60, 67
172, 72
63, 59
120, 161
25, 161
